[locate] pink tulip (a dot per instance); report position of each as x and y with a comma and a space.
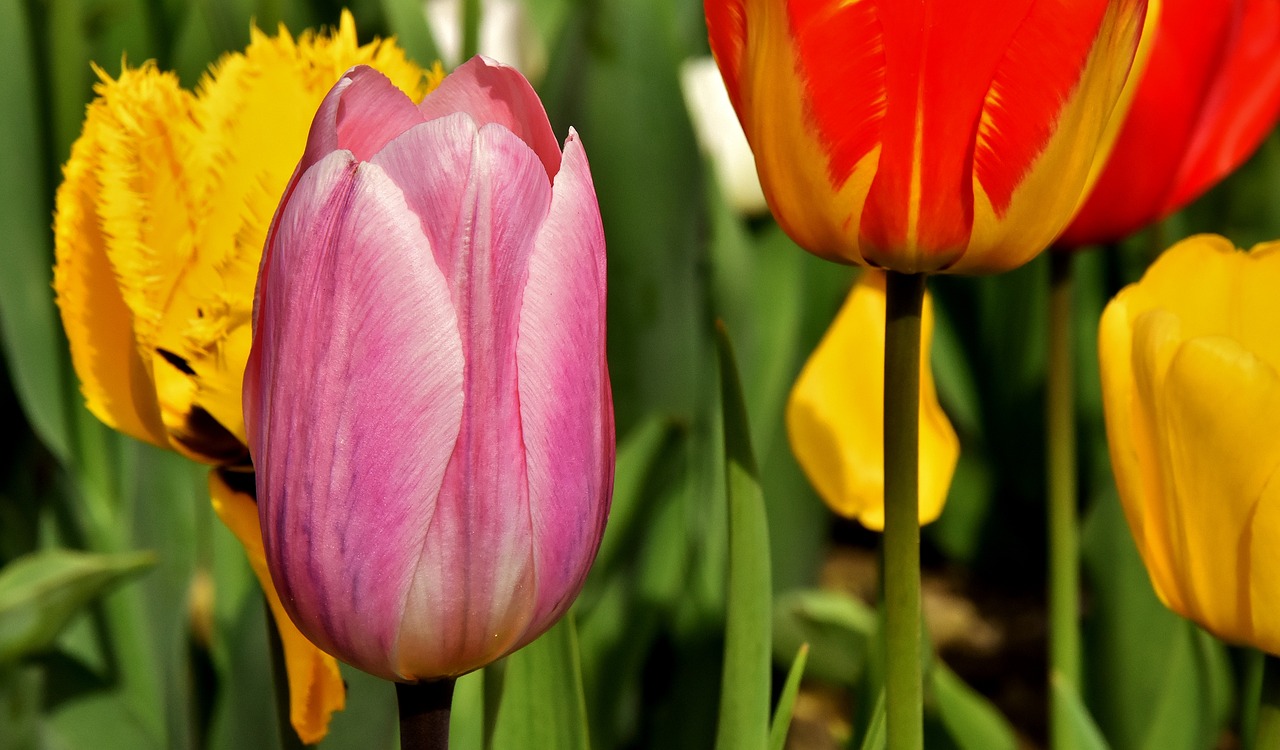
427, 398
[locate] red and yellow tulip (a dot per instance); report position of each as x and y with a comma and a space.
1208, 97
926, 136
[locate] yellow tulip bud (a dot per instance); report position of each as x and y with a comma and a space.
1189, 359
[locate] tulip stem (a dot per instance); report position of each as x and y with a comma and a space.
424, 714
903, 682
1064, 571
1268, 732
289, 739
471, 12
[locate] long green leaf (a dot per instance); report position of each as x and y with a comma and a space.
33, 345
1083, 732
744, 696
877, 735
409, 24
969, 718
42, 591
837, 628
543, 704
787, 701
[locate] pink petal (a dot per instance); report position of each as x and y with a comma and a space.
357, 345
362, 111
566, 407
492, 92
485, 195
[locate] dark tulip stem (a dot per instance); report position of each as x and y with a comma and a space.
424, 714
904, 711
280, 678
1064, 563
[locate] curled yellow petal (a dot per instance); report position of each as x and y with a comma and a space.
121, 198
316, 689
835, 416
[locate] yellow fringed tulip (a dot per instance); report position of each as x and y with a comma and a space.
1189, 359
159, 228
835, 416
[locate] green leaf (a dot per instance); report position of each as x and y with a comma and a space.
42, 591
837, 628
877, 734
787, 701
744, 696
969, 718
543, 705
34, 348
466, 718
408, 22
1083, 733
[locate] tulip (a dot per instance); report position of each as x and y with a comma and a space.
159, 226
427, 396
1209, 96
835, 416
1191, 391
926, 136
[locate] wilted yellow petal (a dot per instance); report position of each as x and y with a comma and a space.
316, 689
835, 416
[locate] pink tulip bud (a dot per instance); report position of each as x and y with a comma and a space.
427, 398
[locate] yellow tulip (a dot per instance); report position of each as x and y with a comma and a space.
159, 228
835, 416
1189, 359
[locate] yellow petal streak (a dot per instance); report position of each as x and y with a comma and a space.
835, 416
316, 689
1054, 186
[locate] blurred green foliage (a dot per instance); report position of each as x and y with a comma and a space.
178, 657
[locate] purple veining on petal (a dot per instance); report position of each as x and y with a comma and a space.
365, 376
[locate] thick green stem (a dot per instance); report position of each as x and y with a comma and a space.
1268, 734
424, 714
903, 682
289, 739
1064, 575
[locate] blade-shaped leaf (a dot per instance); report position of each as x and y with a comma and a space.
744, 697
543, 704
969, 718
1083, 732
787, 701
876, 736
837, 627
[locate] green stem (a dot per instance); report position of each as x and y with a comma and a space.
1064, 575
424, 714
289, 739
471, 12
903, 682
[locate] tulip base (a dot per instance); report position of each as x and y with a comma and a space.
424, 714
904, 710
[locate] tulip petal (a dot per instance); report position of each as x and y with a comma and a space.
1242, 107
482, 201
835, 416
375, 324
565, 402
1220, 459
1029, 181
1193, 39
492, 92
316, 687
115, 377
